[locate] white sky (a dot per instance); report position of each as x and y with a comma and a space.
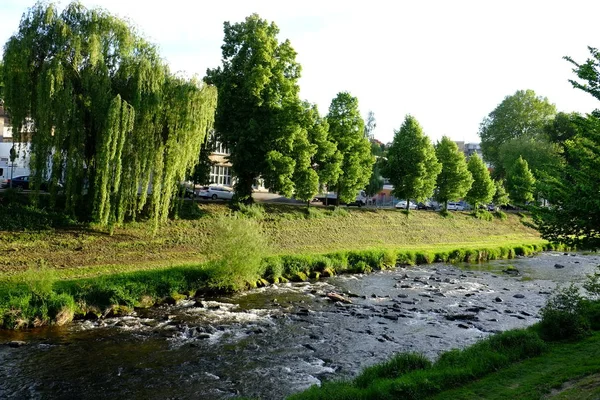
448, 63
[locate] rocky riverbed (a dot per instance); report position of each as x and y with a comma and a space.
274, 341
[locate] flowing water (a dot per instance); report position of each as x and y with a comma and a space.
271, 342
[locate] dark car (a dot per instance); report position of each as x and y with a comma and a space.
23, 183
18, 182
425, 206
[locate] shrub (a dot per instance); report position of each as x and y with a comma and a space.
407, 258
424, 257
563, 316
339, 261
314, 213
389, 258
254, 211
235, 253
272, 268
393, 368
501, 215
482, 214
339, 212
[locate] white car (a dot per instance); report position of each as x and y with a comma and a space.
453, 206
402, 205
216, 192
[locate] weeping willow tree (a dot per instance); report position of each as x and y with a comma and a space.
104, 115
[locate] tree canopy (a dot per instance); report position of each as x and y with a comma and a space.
346, 130
106, 115
573, 214
483, 188
412, 165
521, 182
521, 115
500, 195
259, 111
454, 180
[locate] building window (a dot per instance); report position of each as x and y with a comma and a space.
220, 175
220, 148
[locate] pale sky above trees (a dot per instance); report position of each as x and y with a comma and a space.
448, 64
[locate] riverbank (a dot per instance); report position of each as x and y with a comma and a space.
53, 276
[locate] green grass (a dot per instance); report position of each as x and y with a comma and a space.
223, 249
565, 371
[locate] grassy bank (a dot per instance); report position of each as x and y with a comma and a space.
543, 361
54, 275
82, 251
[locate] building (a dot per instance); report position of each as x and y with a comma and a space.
221, 172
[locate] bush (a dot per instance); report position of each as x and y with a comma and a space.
254, 211
501, 215
389, 258
482, 214
393, 368
563, 316
236, 253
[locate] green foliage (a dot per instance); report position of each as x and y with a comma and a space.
573, 215
500, 195
483, 214
411, 376
236, 249
254, 211
107, 115
259, 112
346, 130
563, 316
521, 115
454, 179
483, 188
395, 367
412, 165
520, 182
500, 215
19, 217
327, 159
541, 155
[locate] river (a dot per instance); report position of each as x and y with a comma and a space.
271, 342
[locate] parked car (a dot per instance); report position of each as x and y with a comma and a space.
426, 205
216, 192
492, 207
402, 205
23, 182
454, 206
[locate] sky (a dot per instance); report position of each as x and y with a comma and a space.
447, 63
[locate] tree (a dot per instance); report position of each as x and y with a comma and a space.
370, 125
200, 174
522, 115
326, 160
346, 129
1, 81
454, 180
483, 189
541, 155
376, 181
412, 165
258, 111
500, 196
521, 182
107, 116
573, 216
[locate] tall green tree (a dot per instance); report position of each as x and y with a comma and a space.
573, 216
326, 160
521, 115
542, 156
500, 196
346, 129
412, 165
483, 189
107, 116
521, 182
454, 180
1, 80
258, 112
